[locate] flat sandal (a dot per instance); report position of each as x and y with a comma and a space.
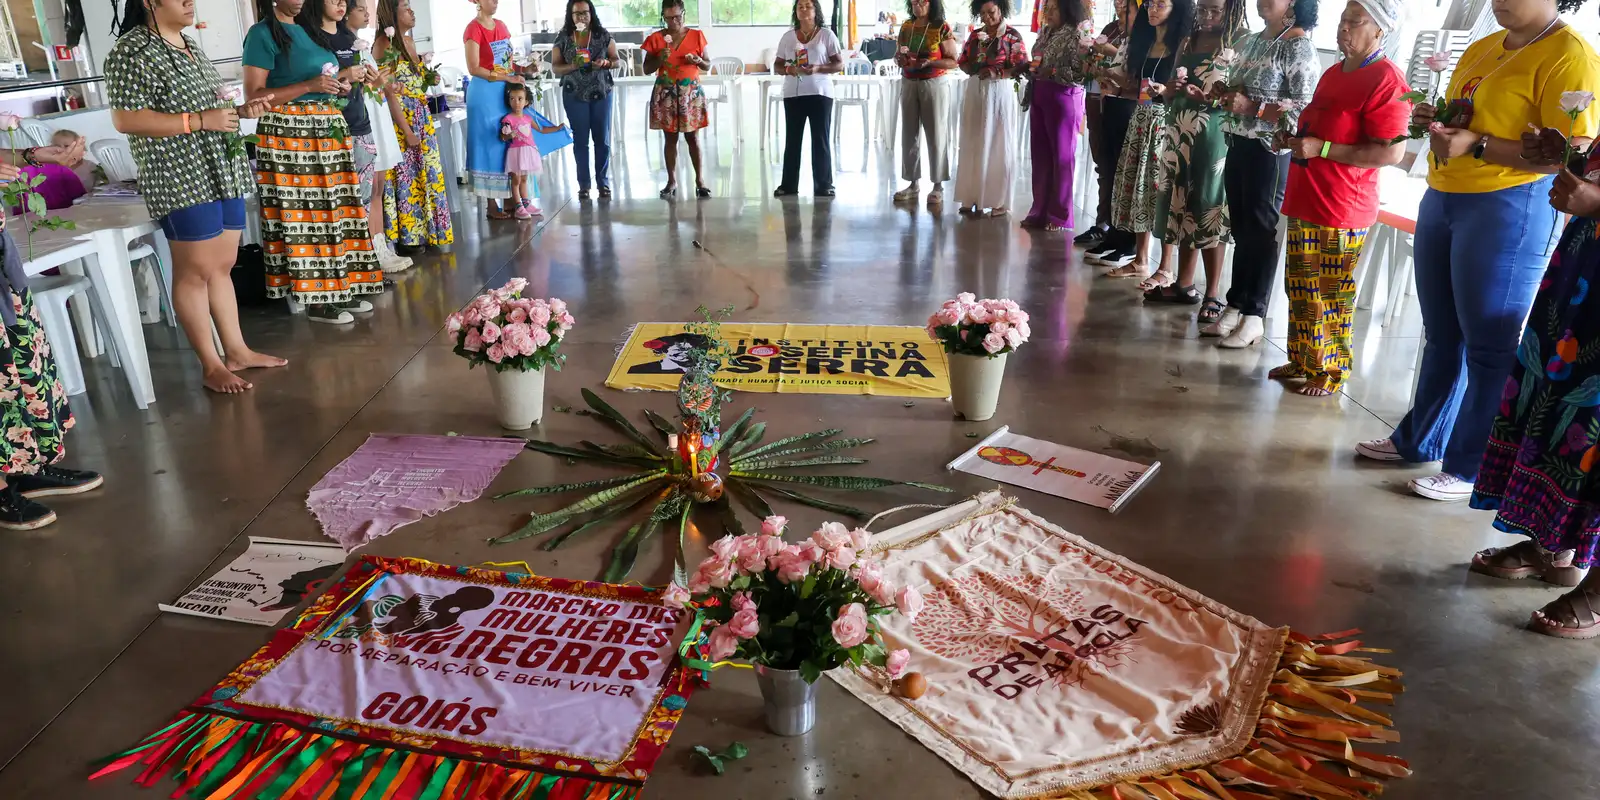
1573, 615
1525, 560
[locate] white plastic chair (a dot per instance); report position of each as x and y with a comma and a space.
857, 95
451, 77
718, 94
37, 133
114, 157
51, 293
1424, 47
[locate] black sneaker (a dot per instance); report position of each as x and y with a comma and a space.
18, 513
1092, 238
1099, 256
56, 480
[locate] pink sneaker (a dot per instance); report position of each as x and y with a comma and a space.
522, 212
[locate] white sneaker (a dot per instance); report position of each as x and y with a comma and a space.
388, 259
1379, 450
1224, 324
342, 318
1443, 486
1250, 331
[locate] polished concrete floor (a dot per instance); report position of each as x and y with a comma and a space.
1259, 504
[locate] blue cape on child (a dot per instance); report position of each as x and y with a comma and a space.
548, 142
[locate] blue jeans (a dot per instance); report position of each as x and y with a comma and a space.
590, 117
1479, 259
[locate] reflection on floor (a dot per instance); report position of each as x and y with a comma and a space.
1259, 505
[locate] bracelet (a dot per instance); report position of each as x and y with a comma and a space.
186, 128
1327, 147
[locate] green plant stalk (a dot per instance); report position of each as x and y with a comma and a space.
545, 522
823, 434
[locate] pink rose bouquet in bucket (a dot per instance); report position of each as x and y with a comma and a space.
972, 327
807, 607
978, 335
507, 331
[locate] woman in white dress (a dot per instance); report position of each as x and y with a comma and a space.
993, 56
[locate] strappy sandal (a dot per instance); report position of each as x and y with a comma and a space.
936, 198
670, 191
1158, 279
1210, 311
702, 192
1172, 293
498, 214
1525, 560
1132, 269
1287, 372
1570, 616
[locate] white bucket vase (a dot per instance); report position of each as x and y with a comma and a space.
975, 385
518, 397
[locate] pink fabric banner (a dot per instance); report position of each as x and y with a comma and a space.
393, 480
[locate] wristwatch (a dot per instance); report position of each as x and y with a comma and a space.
1479, 148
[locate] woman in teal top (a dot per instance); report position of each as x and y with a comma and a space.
313, 224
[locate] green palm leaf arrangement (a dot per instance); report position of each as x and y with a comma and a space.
671, 479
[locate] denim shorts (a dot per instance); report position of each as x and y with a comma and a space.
205, 221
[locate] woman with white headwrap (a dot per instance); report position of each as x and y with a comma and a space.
1485, 233
1344, 137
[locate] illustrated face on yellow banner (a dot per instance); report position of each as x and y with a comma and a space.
887, 360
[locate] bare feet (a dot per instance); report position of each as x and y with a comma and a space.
223, 381
250, 359
1317, 387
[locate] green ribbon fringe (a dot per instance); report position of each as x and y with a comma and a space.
215, 757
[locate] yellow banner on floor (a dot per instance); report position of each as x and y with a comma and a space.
888, 360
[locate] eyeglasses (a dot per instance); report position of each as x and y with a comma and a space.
671, 18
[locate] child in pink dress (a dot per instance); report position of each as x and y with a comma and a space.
522, 154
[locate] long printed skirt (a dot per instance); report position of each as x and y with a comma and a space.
1193, 211
1540, 468
34, 416
1139, 181
678, 107
987, 165
486, 151
1320, 279
313, 224
414, 200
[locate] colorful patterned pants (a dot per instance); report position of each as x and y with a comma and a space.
1321, 283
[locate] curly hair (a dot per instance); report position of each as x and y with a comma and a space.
1305, 14
1003, 5
816, 15
1569, 6
935, 12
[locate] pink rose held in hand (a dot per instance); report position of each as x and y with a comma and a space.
850, 628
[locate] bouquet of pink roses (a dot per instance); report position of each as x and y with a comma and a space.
972, 327
502, 328
809, 607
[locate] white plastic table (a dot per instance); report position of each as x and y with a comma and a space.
107, 224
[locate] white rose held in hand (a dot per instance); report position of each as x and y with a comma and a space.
1438, 62
1575, 103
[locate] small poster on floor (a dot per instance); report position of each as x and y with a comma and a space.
1079, 475
262, 585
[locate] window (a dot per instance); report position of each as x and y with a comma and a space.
642, 13
761, 12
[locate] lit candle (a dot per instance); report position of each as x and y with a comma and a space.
694, 456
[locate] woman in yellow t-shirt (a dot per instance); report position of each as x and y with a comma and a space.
1485, 232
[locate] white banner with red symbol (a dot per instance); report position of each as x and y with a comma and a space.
1053, 664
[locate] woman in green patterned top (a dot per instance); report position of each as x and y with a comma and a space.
1192, 211
179, 119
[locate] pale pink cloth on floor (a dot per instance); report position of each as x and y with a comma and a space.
393, 480
1053, 664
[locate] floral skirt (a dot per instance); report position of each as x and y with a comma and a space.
1540, 467
1193, 211
34, 417
414, 200
1139, 182
678, 107
313, 224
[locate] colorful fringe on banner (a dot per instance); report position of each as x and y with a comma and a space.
273, 729
1304, 741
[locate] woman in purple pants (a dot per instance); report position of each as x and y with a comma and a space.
1055, 106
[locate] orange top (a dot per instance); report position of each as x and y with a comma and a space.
692, 42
